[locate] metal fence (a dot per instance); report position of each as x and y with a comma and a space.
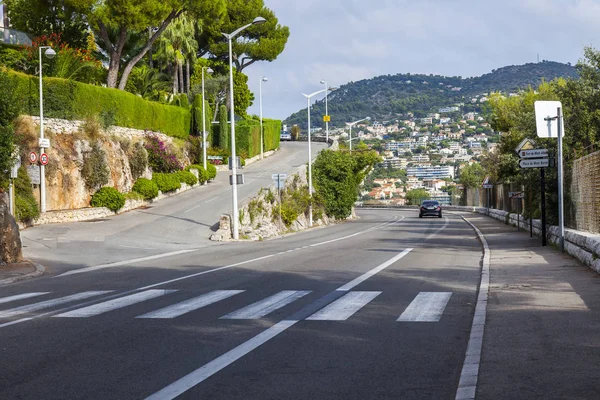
585, 193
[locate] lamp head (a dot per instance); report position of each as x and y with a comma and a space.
50, 53
322, 82
258, 21
368, 118
264, 79
209, 70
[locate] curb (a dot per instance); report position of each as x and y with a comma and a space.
39, 270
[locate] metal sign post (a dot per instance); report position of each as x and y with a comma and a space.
561, 216
279, 180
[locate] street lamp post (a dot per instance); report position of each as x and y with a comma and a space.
262, 147
229, 37
351, 124
310, 187
50, 54
209, 71
326, 113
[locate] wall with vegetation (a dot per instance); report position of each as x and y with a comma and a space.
74, 100
247, 136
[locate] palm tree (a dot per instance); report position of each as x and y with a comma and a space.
177, 45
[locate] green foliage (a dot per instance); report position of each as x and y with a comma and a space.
148, 83
203, 175
223, 128
95, 172
75, 100
212, 171
108, 197
472, 175
166, 182
247, 136
386, 97
186, 177
138, 160
12, 58
416, 196
161, 156
26, 208
145, 187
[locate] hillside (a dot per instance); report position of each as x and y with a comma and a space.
390, 96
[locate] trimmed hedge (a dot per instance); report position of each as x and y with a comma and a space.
202, 173
186, 177
75, 100
212, 171
247, 136
145, 187
108, 197
166, 182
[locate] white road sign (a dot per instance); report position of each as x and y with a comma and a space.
535, 153
535, 163
488, 186
543, 110
44, 143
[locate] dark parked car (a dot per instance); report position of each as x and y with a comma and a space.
430, 207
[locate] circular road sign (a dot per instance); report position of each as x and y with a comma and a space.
32, 157
44, 158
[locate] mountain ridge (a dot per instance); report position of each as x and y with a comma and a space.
388, 97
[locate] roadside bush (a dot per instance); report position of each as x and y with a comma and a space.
26, 207
91, 128
95, 172
138, 160
166, 182
186, 177
202, 173
108, 197
147, 188
161, 157
212, 171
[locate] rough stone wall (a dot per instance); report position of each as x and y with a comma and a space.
65, 186
10, 239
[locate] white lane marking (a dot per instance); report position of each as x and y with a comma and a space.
374, 271
192, 304
20, 297
192, 379
15, 322
199, 375
467, 385
50, 303
119, 263
211, 200
446, 221
359, 233
114, 304
344, 307
426, 307
266, 306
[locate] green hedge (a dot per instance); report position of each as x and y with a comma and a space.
166, 182
108, 197
145, 187
247, 136
74, 100
203, 175
186, 177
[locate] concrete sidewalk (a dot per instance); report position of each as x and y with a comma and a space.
10, 273
542, 332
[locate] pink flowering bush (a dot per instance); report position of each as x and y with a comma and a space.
160, 156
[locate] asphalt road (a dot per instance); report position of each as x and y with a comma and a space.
180, 223
377, 308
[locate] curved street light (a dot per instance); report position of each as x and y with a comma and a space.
262, 147
351, 124
50, 53
234, 215
208, 71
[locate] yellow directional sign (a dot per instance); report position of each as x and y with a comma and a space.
326, 118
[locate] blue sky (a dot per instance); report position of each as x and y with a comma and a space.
349, 40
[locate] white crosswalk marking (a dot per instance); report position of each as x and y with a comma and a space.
192, 304
50, 303
114, 304
426, 307
268, 305
20, 297
344, 307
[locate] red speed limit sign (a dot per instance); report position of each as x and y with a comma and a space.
32, 157
44, 158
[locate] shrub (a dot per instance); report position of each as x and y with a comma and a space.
95, 171
108, 197
91, 128
133, 196
145, 187
186, 177
202, 173
26, 207
138, 160
288, 214
108, 118
212, 171
166, 182
160, 156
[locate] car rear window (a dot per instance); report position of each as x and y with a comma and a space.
430, 203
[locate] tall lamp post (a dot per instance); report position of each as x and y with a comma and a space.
50, 54
310, 187
229, 37
326, 113
208, 71
351, 124
262, 147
